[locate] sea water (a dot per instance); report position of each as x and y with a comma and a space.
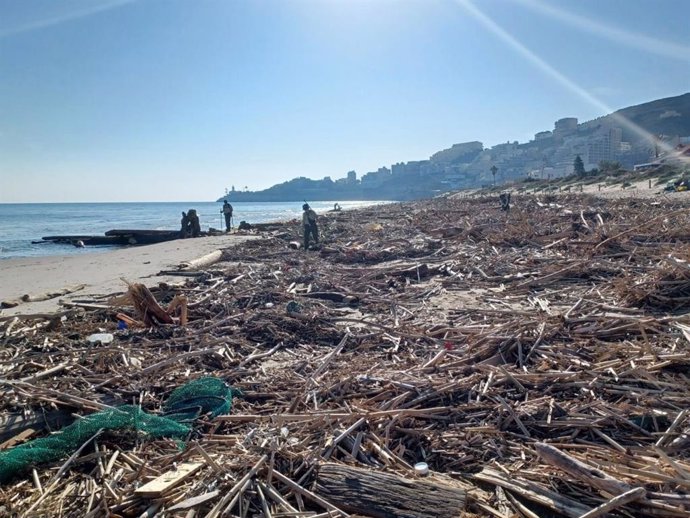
22, 225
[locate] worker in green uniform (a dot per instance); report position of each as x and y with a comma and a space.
311, 228
227, 213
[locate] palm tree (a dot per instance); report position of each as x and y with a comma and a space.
494, 170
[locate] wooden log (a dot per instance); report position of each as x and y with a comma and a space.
381, 495
534, 492
203, 261
294, 486
588, 474
615, 502
181, 274
13, 424
140, 232
332, 296
52, 294
87, 240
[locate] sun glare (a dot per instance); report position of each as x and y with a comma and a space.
552, 72
631, 39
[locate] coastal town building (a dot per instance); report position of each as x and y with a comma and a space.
376, 178
549, 155
604, 146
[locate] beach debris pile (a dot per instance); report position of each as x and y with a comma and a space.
535, 359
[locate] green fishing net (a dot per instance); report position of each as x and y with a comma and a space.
186, 403
198, 397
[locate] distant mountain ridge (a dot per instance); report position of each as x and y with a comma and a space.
669, 116
468, 165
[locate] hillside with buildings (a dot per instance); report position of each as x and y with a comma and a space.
469, 165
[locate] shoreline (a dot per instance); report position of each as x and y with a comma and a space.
101, 272
36, 275
22, 236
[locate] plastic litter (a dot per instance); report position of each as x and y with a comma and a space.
185, 404
421, 468
104, 338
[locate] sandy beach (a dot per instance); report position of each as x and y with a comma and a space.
101, 272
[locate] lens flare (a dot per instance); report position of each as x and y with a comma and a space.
639, 41
554, 74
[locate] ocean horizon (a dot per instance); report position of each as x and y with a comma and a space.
22, 225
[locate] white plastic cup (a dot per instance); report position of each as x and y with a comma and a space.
421, 468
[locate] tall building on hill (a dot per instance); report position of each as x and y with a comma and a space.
376, 178
411, 168
604, 146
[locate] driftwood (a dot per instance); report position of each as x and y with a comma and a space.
13, 427
148, 309
530, 359
41, 296
332, 296
150, 312
584, 472
169, 480
381, 495
203, 261
615, 502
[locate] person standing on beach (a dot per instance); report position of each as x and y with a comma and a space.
311, 229
184, 225
227, 212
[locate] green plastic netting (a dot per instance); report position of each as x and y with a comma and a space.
186, 403
199, 397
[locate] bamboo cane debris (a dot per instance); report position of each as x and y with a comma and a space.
457, 335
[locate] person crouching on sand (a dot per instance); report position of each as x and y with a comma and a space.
194, 222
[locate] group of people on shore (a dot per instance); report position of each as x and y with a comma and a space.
190, 226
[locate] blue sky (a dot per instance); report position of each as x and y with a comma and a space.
106, 100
